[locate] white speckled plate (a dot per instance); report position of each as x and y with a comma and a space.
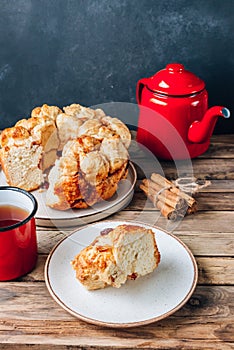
145, 300
49, 217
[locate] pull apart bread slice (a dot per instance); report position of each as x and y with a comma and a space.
20, 158
27, 149
125, 252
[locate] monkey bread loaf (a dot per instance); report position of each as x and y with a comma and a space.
80, 153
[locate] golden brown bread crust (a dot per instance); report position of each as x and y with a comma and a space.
91, 260
125, 252
83, 113
43, 131
45, 110
15, 135
118, 127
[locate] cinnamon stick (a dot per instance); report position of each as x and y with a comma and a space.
161, 181
169, 199
165, 195
169, 212
149, 194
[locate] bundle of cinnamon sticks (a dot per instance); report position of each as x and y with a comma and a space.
169, 199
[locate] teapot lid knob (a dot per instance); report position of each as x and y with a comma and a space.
175, 67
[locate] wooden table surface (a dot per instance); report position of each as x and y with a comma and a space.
30, 318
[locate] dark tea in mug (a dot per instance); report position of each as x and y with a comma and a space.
18, 241
11, 215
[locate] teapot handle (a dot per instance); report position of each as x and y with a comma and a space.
140, 85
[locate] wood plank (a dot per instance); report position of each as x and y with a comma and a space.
209, 244
39, 342
207, 318
219, 186
213, 169
215, 201
47, 239
222, 138
215, 270
221, 146
203, 221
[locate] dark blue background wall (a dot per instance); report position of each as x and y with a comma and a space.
95, 51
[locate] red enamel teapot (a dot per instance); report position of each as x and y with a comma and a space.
174, 119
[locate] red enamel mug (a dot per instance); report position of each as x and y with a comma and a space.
18, 243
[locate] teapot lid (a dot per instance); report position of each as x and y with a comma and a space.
175, 80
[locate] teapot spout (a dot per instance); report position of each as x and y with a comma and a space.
201, 131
